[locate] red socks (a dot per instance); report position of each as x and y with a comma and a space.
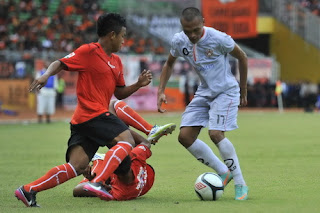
111, 161
52, 178
131, 117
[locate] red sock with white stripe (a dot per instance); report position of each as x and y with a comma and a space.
52, 178
131, 117
111, 161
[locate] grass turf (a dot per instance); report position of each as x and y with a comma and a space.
278, 153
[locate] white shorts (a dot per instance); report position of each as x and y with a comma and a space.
46, 104
219, 113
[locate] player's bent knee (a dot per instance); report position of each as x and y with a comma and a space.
78, 159
124, 136
216, 135
185, 141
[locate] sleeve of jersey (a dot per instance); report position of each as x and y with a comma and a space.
121, 82
174, 46
141, 152
77, 60
227, 43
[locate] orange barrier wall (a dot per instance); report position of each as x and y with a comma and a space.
175, 99
14, 93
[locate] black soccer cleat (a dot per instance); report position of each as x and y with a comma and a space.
28, 198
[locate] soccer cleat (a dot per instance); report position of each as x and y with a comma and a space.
241, 192
226, 178
98, 156
28, 198
98, 190
158, 131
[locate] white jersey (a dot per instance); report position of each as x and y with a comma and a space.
209, 58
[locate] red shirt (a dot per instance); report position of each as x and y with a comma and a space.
99, 74
143, 173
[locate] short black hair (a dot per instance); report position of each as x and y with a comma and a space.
190, 13
109, 22
124, 166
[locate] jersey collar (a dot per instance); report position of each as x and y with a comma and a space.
203, 35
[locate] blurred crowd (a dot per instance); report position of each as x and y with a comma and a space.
303, 94
312, 5
61, 25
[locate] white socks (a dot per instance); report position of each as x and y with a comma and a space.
228, 154
202, 152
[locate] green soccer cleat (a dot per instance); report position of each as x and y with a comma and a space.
226, 178
241, 192
158, 131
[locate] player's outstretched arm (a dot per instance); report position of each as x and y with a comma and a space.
165, 75
54, 68
239, 54
144, 79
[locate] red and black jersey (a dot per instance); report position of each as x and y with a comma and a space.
99, 75
143, 173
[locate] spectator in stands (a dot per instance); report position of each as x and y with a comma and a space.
60, 91
308, 94
33, 25
46, 97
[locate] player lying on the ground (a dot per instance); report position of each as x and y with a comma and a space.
133, 178
132, 118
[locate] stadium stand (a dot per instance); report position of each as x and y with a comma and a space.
54, 28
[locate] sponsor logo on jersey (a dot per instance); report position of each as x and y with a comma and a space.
110, 65
185, 51
70, 55
209, 52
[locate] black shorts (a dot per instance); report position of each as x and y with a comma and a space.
98, 131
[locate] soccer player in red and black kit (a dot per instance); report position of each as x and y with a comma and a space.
100, 75
133, 178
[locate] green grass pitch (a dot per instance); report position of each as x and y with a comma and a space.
278, 153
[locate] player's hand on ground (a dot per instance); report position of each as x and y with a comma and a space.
161, 99
38, 83
145, 78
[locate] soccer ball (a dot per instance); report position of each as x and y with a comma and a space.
209, 186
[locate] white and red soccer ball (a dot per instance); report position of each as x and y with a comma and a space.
209, 186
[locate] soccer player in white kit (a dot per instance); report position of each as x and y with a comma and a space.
216, 101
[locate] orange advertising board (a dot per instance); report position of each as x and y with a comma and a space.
14, 92
175, 99
237, 18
